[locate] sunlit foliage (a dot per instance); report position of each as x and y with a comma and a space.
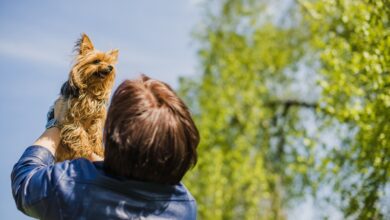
353, 41
276, 77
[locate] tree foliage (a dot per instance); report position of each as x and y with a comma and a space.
353, 40
259, 148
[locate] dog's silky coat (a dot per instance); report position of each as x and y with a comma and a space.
86, 94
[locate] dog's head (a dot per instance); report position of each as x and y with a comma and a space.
93, 71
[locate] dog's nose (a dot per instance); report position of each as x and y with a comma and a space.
110, 68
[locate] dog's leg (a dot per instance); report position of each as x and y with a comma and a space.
74, 142
95, 133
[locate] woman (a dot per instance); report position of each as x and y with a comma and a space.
150, 143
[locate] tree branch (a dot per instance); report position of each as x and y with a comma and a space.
290, 103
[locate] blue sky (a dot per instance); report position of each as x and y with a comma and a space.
36, 43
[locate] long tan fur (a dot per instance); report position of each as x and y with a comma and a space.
86, 94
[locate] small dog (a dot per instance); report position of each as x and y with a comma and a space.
85, 96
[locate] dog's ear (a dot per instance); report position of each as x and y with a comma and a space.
113, 55
84, 45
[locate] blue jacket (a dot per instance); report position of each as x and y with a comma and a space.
80, 189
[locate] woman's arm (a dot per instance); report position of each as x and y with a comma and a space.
34, 176
50, 139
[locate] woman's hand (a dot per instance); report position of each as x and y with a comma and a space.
60, 110
95, 157
57, 113
50, 138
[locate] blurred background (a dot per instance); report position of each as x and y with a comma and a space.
291, 97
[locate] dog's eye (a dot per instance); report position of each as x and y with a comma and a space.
96, 61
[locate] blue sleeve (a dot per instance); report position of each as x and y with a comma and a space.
34, 178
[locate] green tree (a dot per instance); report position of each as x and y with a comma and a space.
353, 40
243, 122
258, 149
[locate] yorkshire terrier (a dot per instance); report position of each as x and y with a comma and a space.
85, 94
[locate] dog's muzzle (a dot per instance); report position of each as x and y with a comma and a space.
104, 72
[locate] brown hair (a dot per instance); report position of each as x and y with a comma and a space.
149, 134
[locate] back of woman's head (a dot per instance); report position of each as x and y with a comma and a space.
149, 134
